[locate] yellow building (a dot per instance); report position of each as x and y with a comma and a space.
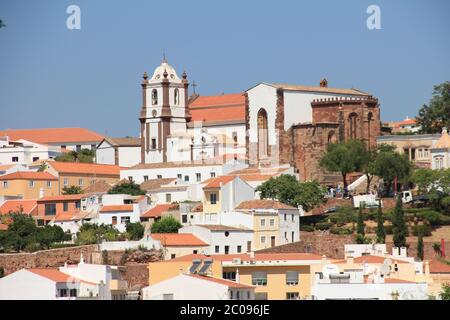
277, 276
439, 274
28, 184
82, 174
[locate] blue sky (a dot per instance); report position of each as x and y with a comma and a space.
54, 77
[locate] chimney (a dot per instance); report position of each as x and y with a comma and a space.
323, 83
442, 248
237, 276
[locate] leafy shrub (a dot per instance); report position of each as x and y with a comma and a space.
431, 216
323, 225
306, 228
343, 231
167, 224
424, 229
135, 230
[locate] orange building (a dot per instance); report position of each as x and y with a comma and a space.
82, 174
28, 185
49, 207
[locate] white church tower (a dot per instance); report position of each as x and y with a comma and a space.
164, 111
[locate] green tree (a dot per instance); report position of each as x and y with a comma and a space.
420, 247
130, 188
344, 157
288, 190
381, 232
436, 115
72, 190
135, 230
399, 227
21, 232
445, 293
47, 235
360, 226
167, 224
85, 155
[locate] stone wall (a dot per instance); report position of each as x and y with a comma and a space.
47, 258
136, 275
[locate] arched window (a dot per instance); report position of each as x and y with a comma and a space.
352, 119
331, 137
154, 97
263, 134
176, 97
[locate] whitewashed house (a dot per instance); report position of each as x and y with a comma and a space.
124, 152
198, 287
25, 152
440, 152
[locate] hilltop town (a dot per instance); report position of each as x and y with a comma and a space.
281, 191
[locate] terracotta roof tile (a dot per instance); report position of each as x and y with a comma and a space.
158, 210
229, 283
264, 204
85, 168
28, 175
27, 206
56, 276
117, 208
98, 186
218, 181
221, 108
318, 89
178, 239
220, 227
64, 197
68, 216
374, 259
247, 257
443, 142
53, 135
154, 184
124, 142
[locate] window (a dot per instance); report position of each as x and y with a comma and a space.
130, 178
145, 178
292, 278
239, 249
263, 239
63, 292
176, 97
49, 184
124, 220
194, 251
229, 275
217, 249
184, 218
293, 218
154, 97
114, 220
93, 146
263, 222
5, 184
180, 176
159, 176
31, 183
172, 256
213, 198
35, 159
198, 176
153, 143
168, 197
63, 146
73, 292
285, 217
78, 147
272, 222
292, 236
77, 204
249, 246
234, 136
212, 174
80, 182
186, 178
66, 182
65, 206
50, 209
439, 162
227, 249
292, 295
15, 159
352, 119
227, 233
259, 278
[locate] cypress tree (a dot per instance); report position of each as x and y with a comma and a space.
399, 228
381, 232
420, 247
360, 223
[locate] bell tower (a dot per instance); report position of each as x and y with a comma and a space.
164, 111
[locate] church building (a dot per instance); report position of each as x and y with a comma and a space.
268, 125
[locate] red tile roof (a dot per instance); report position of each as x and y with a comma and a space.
218, 182
27, 206
221, 108
3, 227
264, 204
56, 276
85, 168
54, 135
28, 175
67, 216
229, 283
178, 239
374, 259
158, 210
117, 208
64, 197
394, 280
437, 266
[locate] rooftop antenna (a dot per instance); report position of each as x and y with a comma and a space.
194, 85
164, 55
